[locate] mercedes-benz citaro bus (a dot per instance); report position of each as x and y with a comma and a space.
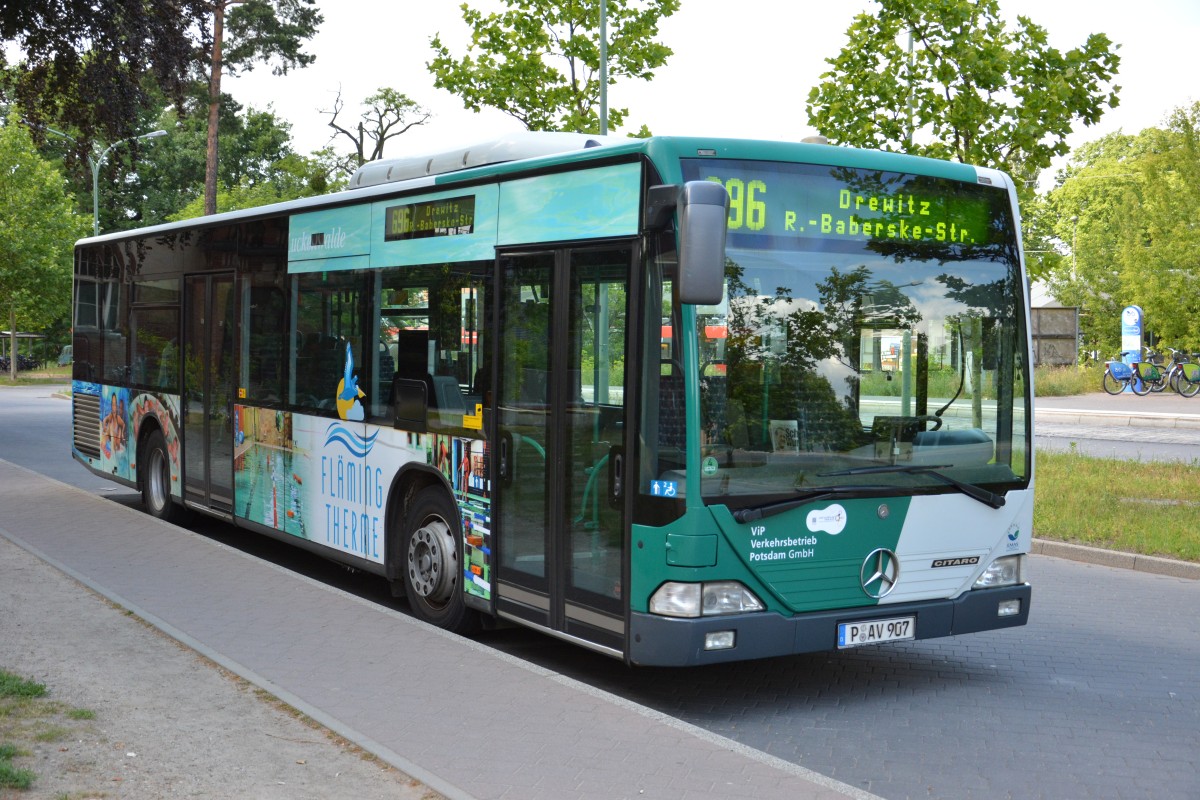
676, 400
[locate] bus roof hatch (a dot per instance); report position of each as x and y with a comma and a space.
512, 147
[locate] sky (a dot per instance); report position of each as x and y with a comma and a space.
740, 68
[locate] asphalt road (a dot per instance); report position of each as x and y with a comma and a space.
1127, 443
1098, 697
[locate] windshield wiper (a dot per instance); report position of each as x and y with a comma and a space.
969, 489
801, 498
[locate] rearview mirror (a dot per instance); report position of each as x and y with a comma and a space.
702, 212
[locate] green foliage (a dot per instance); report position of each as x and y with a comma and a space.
12, 685
89, 67
270, 31
539, 61
10, 776
170, 172
290, 178
38, 227
246, 32
979, 93
1125, 208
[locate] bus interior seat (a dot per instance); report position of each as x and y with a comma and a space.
412, 359
447, 395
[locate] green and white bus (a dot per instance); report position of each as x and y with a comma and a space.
679, 401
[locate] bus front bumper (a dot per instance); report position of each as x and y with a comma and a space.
671, 642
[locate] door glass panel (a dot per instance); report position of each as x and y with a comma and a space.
195, 448
220, 407
328, 336
595, 421
208, 375
523, 411
442, 342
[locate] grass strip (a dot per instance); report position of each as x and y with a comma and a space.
1144, 507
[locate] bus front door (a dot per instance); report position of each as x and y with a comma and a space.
560, 439
208, 351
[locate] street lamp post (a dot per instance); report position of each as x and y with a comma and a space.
96, 163
603, 68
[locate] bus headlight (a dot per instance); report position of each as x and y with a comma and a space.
703, 599
1006, 571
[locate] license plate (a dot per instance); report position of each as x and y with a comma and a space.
875, 631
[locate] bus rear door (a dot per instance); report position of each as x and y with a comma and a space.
208, 348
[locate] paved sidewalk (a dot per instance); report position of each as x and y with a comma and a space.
462, 719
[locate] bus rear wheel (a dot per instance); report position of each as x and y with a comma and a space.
431, 549
155, 467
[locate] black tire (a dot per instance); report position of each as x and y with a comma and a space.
1188, 388
154, 474
1111, 384
431, 557
1140, 387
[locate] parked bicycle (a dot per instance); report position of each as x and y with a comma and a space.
1184, 375
1117, 376
1141, 377
1149, 375
23, 362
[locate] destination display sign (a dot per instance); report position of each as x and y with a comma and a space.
451, 216
798, 202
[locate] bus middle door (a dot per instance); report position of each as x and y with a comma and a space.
208, 351
561, 410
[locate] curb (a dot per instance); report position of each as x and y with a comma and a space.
1114, 558
1145, 419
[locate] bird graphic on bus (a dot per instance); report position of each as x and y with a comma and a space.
348, 392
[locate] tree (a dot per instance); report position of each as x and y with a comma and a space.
1124, 208
38, 226
267, 31
539, 61
1157, 244
388, 114
969, 89
174, 171
87, 66
290, 178
146, 185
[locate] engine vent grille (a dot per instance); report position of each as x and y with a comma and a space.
85, 414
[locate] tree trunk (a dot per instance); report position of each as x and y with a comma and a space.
214, 110
12, 343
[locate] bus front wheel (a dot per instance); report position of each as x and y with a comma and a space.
432, 559
155, 467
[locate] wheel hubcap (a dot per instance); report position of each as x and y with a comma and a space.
431, 561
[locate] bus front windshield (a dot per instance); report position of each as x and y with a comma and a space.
871, 337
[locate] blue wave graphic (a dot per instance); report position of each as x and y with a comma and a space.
356, 444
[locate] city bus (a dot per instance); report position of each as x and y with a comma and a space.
676, 400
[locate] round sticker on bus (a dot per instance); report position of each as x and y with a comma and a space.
709, 467
832, 520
